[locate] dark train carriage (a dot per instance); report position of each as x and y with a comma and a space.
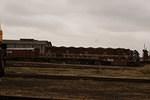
104, 56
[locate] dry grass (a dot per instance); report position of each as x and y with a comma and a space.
116, 72
78, 89
145, 70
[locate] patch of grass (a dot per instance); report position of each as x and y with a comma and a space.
116, 72
145, 72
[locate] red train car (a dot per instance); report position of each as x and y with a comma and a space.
22, 52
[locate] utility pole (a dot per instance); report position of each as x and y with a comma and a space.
145, 54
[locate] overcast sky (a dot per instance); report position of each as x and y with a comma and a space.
87, 23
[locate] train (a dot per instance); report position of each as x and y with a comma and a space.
80, 55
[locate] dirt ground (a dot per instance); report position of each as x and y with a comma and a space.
77, 89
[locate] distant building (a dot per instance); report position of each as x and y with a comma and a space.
42, 46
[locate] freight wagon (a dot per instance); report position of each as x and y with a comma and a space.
94, 56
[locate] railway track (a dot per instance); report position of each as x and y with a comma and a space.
69, 77
97, 88
103, 96
24, 98
54, 65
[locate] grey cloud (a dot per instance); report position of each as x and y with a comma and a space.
79, 22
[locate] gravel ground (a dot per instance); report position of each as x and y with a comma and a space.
75, 89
